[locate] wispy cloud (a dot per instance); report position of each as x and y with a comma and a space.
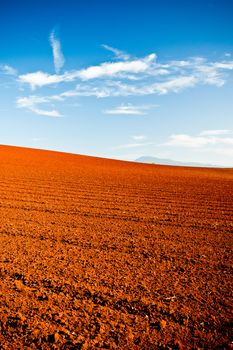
142, 76
173, 85
130, 109
114, 69
133, 145
114, 88
215, 132
129, 77
46, 113
39, 79
118, 53
139, 137
200, 140
211, 142
104, 70
8, 70
58, 57
32, 102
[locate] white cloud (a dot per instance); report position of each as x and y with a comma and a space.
223, 65
179, 75
89, 90
133, 145
226, 140
31, 103
58, 57
38, 79
104, 70
26, 102
215, 132
184, 140
130, 109
113, 69
205, 71
117, 88
139, 137
8, 70
36, 139
210, 75
118, 53
46, 113
129, 77
142, 76
35, 100
173, 85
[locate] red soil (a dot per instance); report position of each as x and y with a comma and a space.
97, 253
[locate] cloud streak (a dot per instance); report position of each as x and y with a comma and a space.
154, 77
32, 102
130, 109
139, 137
133, 145
8, 70
215, 132
114, 69
218, 142
118, 53
128, 77
104, 70
200, 140
58, 57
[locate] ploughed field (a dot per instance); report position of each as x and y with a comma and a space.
97, 253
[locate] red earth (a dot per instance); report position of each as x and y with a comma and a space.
99, 253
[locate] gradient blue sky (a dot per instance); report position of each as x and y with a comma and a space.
119, 79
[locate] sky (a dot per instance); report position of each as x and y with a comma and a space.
119, 79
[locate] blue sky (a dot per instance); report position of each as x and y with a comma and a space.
119, 79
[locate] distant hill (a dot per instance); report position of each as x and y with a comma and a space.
154, 160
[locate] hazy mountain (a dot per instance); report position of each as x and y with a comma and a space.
154, 160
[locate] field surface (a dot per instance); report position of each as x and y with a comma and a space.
97, 253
